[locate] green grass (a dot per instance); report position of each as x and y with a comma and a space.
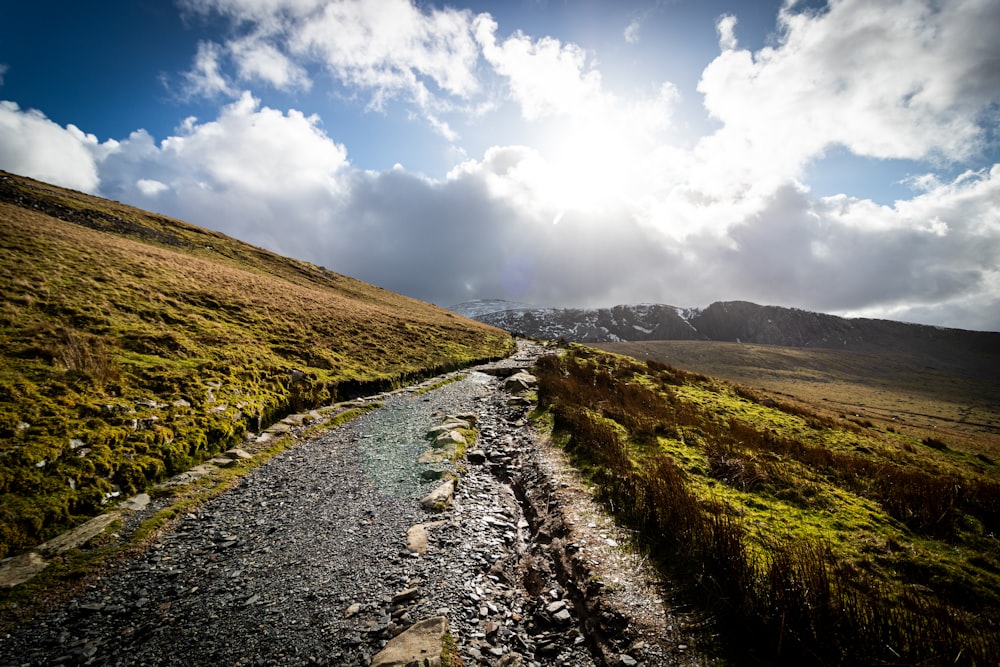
806, 536
952, 395
133, 346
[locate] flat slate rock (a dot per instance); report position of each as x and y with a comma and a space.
420, 644
79, 535
19, 569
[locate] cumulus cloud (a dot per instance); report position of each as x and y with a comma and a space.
206, 78
546, 77
258, 60
822, 252
726, 27
389, 48
276, 179
151, 187
900, 79
257, 173
33, 145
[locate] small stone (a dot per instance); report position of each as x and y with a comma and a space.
405, 595
449, 438
440, 498
625, 660
352, 610
136, 502
562, 617
555, 607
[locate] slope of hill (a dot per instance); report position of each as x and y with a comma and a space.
133, 346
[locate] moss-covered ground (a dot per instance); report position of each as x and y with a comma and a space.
807, 537
133, 346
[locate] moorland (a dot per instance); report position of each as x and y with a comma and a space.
860, 529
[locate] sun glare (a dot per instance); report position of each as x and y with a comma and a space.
591, 166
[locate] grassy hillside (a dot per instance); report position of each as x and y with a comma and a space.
133, 346
952, 394
809, 538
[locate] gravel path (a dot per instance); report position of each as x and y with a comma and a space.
305, 561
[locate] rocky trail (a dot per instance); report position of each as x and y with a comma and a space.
326, 555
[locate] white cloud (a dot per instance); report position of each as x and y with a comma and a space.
259, 60
277, 180
546, 77
151, 187
3, 70
844, 254
894, 79
32, 145
631, 33
206, 77
726, 27
389, 48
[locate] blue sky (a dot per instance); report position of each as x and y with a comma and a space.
840, 157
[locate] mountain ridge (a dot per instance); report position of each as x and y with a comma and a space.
732, 321
974, 352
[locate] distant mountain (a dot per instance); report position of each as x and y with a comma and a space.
480, 307
737, 321
598, 325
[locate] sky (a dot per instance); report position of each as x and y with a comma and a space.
840, 156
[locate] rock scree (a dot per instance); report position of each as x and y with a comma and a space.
327, 555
